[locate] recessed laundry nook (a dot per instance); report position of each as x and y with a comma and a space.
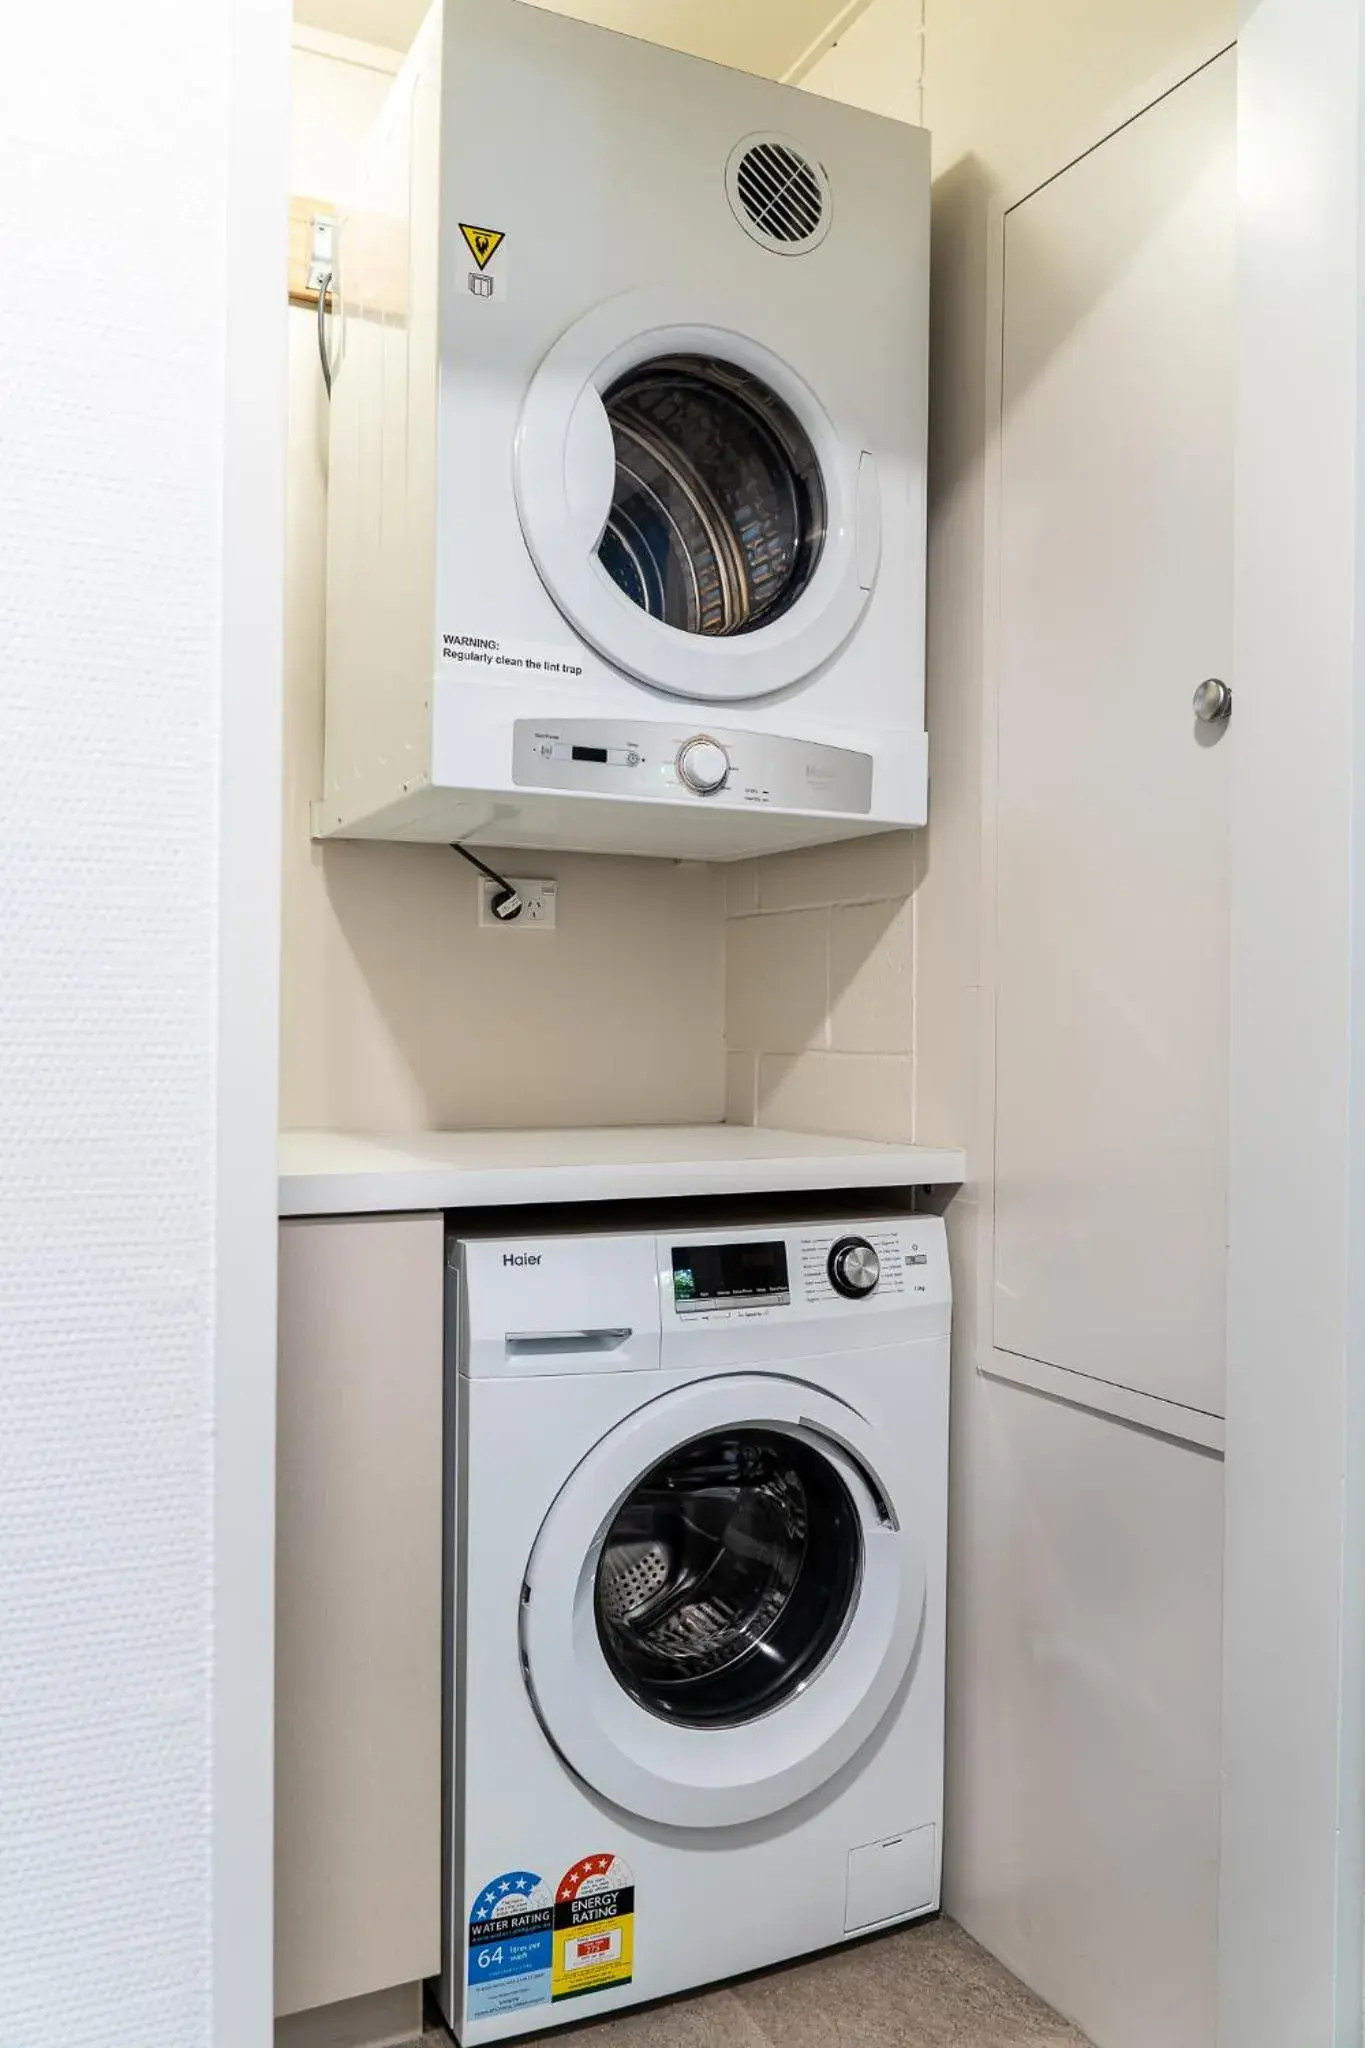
744, 1518
682, 892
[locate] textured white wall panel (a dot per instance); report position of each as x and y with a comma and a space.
112, 197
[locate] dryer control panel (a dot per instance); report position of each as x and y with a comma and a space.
644, 758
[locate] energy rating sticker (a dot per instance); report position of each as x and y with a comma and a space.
511, 1925
594, 1940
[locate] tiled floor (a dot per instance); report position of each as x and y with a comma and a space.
929, 1987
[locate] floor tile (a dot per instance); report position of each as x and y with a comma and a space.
929, 1986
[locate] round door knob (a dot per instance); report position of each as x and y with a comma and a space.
1212, 701
854, 1268
703, 765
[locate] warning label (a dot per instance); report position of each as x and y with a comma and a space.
594, 1937
474, 650
484, 243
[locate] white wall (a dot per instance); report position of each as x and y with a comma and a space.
118, 229
1083, 1711
398, 1012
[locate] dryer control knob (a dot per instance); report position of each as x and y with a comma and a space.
854, 1268
703, 765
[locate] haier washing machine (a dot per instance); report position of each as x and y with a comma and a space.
696, 1520
626, 498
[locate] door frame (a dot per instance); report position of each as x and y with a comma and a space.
1293, 1830
254, 387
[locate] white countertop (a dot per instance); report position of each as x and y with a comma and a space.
339, 1173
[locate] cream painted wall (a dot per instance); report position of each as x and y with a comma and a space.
1073, 1850
398, 1012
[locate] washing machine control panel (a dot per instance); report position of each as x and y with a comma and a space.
596, 1302
681, 764
848, 1273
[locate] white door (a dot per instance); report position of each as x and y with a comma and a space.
1112, 910
722, 1601
688, 501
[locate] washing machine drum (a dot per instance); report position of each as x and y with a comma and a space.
727, 1577
691, 505
717, 519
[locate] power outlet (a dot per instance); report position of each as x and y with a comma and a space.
537, 905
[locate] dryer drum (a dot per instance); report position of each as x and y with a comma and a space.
727, 1577
718, 515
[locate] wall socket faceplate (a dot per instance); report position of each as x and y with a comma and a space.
537, 905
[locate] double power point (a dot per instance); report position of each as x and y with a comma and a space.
537, 905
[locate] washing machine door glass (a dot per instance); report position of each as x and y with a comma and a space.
717, 517
723, 1600
727, 1576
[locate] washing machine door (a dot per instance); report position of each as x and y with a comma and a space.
722, 1602
689, 503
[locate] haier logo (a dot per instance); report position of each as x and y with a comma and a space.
521, 1258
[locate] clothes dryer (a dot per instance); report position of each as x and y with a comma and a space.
626, 512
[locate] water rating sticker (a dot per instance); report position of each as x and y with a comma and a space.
594, 1927
511, 1938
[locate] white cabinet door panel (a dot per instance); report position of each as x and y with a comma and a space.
1112, 904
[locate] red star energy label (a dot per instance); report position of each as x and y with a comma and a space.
594, 1927
511, 1925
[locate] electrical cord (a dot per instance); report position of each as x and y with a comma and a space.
323, 289
506, 906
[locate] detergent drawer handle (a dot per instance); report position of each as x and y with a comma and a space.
534, 1343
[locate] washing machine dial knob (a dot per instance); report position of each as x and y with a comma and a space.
854, 1268
703, 765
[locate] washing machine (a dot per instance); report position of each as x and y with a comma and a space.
696, 1515
627, 460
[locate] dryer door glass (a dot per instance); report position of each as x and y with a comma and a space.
718, 514
728, 1576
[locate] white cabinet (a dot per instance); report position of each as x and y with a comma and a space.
1115, 597
358, 1632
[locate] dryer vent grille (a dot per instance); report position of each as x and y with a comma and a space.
779, 196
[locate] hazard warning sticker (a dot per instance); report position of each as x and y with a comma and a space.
594, 1936
511, 1938
484, 243
488, 279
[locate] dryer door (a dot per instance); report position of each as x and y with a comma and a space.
722, 1602
689, 503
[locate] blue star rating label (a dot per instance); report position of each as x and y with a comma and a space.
511, 1940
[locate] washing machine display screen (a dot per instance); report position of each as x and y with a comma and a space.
728, 1576
718, 516
711, 1276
